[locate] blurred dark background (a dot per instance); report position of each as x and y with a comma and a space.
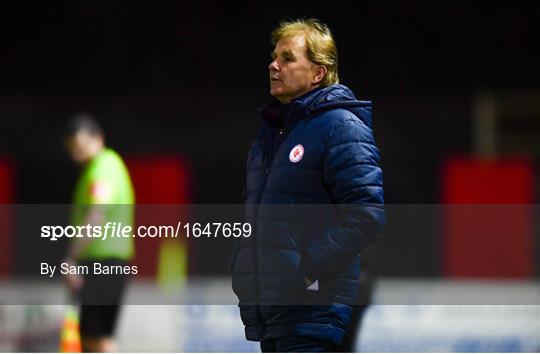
186, 79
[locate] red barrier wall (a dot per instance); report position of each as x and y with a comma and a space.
488, 228
7, 188
157, 180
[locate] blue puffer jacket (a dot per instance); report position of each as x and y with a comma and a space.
315, 199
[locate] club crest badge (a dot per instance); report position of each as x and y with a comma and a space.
296, 153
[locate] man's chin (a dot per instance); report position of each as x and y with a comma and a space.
276, 94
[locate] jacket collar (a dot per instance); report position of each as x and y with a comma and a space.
317, 100
276, 113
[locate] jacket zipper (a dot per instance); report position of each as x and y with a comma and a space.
269, 163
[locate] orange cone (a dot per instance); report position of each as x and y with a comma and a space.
70, 337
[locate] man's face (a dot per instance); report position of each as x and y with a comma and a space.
291, 72
83, 146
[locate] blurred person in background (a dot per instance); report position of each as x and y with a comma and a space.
103, 193
297, 278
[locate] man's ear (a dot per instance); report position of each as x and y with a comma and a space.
319, 75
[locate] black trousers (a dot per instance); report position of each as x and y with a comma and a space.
297, 345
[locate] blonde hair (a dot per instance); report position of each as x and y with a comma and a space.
321, 47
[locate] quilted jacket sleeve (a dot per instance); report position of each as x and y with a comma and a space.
354, 179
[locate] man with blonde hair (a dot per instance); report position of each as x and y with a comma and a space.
314, 196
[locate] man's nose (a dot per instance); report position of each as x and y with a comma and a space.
273, 66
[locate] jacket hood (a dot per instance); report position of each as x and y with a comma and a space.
319, 100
